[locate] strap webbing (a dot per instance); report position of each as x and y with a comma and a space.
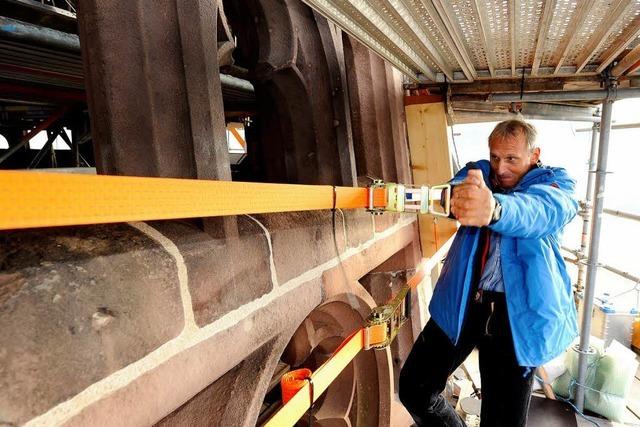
36, 199
295, 408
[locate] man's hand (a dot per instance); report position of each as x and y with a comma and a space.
472, 202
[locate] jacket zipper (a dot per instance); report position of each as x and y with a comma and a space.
486, 326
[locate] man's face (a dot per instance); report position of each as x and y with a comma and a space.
511, 159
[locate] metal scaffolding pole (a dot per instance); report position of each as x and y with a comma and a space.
586, 208
39, 35
621, 214
592, 271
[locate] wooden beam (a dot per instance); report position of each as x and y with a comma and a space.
609, 25
627, 62
422, 99
487, 45
513, 6
543, 29
531, 84
635, 67
573, 29
430, 164
451, 34
628, 35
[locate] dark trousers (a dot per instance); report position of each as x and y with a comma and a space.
506, 387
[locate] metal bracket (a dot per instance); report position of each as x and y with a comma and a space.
444, 199
396, 197
375, 184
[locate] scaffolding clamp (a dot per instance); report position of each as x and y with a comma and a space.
384, 322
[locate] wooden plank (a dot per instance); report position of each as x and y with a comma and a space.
422, 99
532, 84
635, 67
430, 165
513, 6
627, 62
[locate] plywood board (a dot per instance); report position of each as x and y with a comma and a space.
430, 165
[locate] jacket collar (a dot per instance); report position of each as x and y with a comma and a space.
535, 173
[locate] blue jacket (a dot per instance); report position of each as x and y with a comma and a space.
541, 311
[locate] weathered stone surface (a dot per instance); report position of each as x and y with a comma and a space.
205, 407
376, 113
228, 401
280, 45
405, 259
359, 226
302, 240
224, 273
382, 222
153, 395
384, 119
77, 304
153, 90
366, 141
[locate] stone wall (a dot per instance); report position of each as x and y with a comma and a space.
187, 322
123, 324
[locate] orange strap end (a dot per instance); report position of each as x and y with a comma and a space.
292, 382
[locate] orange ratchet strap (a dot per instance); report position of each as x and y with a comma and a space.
301, 388
36, 199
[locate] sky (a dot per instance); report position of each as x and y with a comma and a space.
562, 146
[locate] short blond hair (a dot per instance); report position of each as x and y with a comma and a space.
512, 128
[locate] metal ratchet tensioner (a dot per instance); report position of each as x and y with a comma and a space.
390, 317
434, 200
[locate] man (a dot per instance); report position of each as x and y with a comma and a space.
503, 287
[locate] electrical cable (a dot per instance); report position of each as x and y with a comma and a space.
353, 302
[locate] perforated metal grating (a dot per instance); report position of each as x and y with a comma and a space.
585, 31
469, 23
563, 12
424, 19
495, 19
627, 30
527, 21
465, 39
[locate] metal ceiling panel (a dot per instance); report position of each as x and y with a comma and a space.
462, 40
